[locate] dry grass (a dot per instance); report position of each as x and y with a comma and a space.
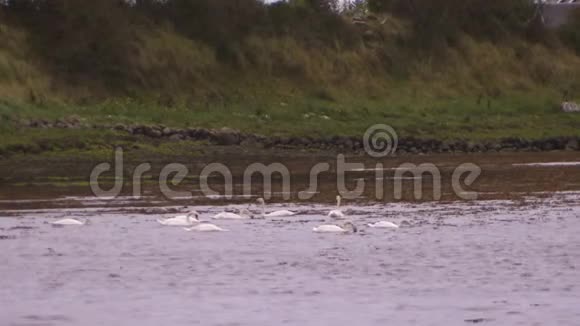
20, 78
170, 68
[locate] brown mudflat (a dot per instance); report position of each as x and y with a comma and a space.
44, 183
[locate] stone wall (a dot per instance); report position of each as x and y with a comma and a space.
232, 137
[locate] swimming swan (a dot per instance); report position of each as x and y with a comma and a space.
280, 213
348, 227
68, 221
337, 213
243, 214
205, 227
181, 220
383, 225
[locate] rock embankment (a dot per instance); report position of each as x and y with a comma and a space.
232, 137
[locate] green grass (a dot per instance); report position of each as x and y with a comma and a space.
526, 115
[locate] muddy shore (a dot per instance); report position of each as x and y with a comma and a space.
38, 181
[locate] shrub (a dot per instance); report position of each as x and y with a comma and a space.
214, 21
78, 39
570, 32
313, 22
440, 22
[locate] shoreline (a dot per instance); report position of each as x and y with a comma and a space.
28, 180
224, 137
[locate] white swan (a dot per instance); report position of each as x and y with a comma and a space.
280, 213
181, 220
348, 227
68, 221
243, 214
337, 213
205, 227
383, 225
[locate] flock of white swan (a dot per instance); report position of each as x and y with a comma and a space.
192, 222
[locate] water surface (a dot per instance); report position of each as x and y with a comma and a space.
507, 262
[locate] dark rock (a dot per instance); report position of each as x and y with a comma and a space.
572, 145
252, 142
326, 141
61, 124
446, 147
268, 143
299, 141
73, 120
183, 132
285, 141
479, 148
191, 132
461, 145
203, 133
275, 140
120, 127
226, 137
547, 146
561, 142
243, 136
357, 144
199, 133
348, 143
137, 130
152, 132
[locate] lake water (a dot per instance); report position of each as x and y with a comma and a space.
496, 262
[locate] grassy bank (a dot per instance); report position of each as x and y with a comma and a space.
288, 70
471, 118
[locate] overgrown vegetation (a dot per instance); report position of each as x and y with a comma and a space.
570, 33
442, 23
448, 68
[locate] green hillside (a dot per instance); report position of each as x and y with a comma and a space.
447, 69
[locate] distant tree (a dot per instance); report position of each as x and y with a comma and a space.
79, 38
